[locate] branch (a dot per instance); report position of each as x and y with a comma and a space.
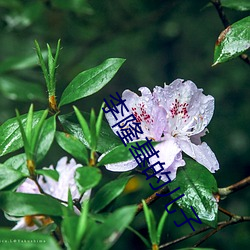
235, 220
226, 23
185, 237
224, 192
152, 198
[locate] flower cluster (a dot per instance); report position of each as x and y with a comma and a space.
176, 116
58, 189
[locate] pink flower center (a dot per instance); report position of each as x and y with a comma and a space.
141, 114
179, 109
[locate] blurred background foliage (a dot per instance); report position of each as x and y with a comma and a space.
161, 41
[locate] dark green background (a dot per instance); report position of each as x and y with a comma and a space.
162, 41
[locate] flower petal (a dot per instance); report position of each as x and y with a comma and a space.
29, 187
170, 154
65, 182
189, 110
201, 153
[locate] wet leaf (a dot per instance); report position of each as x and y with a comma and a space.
20, 204
87, 177
233, 41
46, 137
73, 146
10, 135
18, 162
107, 139
198, 185
90, 81
120, 153
108, 193
9, 175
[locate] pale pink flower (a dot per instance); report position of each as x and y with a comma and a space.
176, 116
58, 189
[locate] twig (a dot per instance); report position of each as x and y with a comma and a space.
222, 15
224, 192
226, 23
184, 237
152, 198
235, 220
224, 211
42, 192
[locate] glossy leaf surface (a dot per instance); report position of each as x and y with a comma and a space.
29, 204
198, 185
73, 146
10, 136
108, 193
90, 81
233, 41
87, 177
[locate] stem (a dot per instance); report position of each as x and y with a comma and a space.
235, 220
224, 211
226, 23
151, 199
42, 192
224, 192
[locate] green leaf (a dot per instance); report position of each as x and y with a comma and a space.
99, 122
92, 127
161, 224
198, 185
117, 154
104, 236
241, 5
108, 193
69, 230
90, 81
74, 228
150, 219
82, 223
143, 239
16, 240
10, 136
120, 153
18, 162
37, 132
233, 41
107, 139
43, 65
19, 90
8, 176
53, 174
87, 177
84, 125
46, 138
73, 146
20, 204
